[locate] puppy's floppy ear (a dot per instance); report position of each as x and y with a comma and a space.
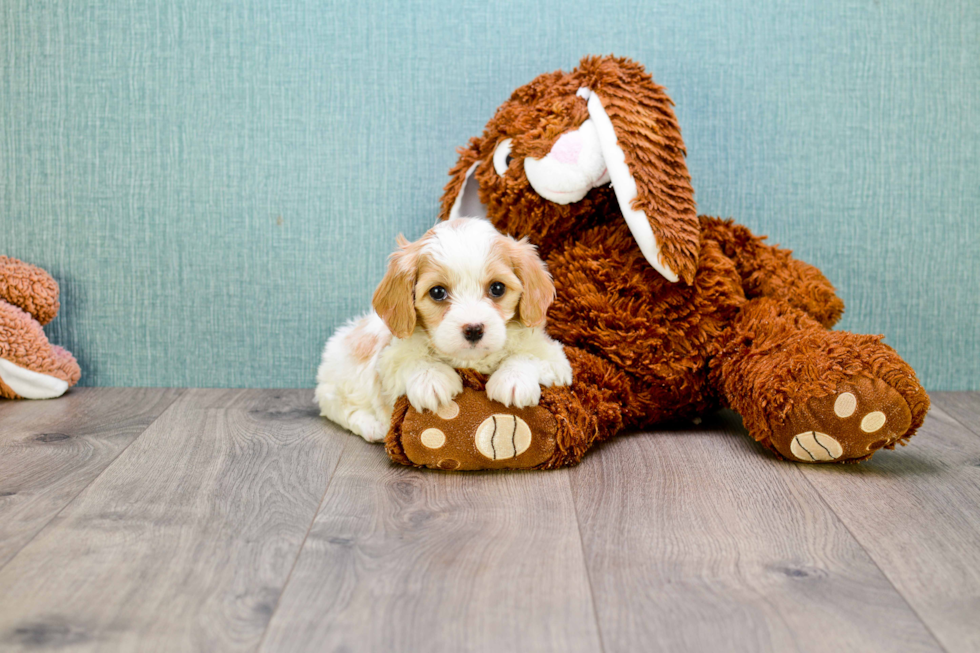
461, 196
539, 290
394, 299
644, 153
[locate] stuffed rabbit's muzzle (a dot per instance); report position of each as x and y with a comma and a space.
574, 165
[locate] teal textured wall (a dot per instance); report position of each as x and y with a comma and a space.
216, 184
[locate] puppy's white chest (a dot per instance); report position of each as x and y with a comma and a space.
486, 365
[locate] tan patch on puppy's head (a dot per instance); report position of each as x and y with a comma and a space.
432, 274
537, 289
501, 269
394, 298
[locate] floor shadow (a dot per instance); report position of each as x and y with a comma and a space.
903, 463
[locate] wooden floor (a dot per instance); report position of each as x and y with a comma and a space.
218, 520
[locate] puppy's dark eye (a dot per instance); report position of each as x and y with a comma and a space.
497, 289
438, 293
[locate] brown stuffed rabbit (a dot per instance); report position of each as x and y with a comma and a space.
30, 366
663, 314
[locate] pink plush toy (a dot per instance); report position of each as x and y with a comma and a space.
30, 366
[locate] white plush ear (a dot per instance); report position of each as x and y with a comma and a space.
468, 204
29, 384
624, 185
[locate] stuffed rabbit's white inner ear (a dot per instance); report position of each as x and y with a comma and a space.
624, 185
468, 204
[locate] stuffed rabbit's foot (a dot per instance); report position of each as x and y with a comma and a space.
814, 395
30, 366
472, 432
862, 416
475, 432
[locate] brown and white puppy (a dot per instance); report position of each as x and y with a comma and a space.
462, 296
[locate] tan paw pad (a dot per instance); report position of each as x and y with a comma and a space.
845, 405
448, 411
873, 421
815, 446
433, 438
503, 436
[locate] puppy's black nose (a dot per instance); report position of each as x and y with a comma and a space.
473, 332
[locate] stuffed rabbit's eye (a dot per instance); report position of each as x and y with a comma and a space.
438, 293
497, 289
502, 157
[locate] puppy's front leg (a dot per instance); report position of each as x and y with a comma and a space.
553, 366
407, 368
517, 382
540, 361
431, 385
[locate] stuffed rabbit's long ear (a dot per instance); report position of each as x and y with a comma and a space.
461, 196
644, 153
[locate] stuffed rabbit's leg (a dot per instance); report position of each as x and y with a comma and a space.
814, 395
768, 271
475, 432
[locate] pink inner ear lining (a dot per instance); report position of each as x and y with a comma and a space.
567, 148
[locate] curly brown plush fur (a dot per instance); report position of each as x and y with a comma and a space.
29, 288
745, 326
28, 300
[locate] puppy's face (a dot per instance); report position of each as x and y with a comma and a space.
462, 282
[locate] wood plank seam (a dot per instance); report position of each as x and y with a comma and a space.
705, 541
178, 395
299, 551
886, 576
942, 400
189, 535
585, 562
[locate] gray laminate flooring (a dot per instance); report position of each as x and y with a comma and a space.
238, 520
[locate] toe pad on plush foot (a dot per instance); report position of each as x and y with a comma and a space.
862, 416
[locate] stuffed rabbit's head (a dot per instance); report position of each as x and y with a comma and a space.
570, 151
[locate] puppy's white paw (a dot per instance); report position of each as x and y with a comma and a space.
433, 387
556, 373
367, 426
513, 386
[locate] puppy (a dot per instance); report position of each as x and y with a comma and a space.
462, 296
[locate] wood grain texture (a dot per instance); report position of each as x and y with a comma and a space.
964, 407
401, 559
51, 450
204, 533
186, 540
702, 541
916, 511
